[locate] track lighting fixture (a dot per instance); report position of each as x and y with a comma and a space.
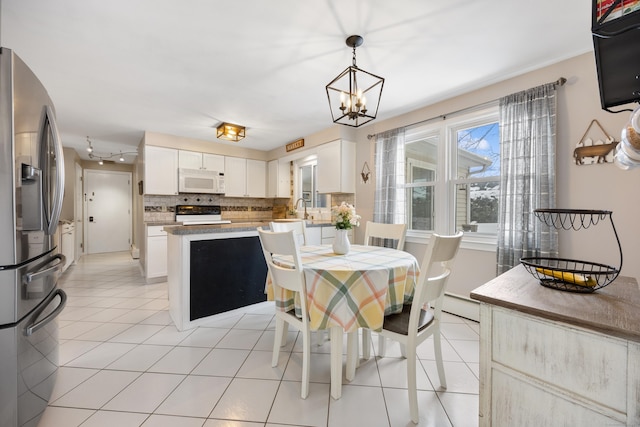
102, 157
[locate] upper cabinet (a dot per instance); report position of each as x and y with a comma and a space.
195, 160
279, 176
337, 167
245, 177
160, 170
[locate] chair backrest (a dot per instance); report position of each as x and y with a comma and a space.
385, 231
435, 270
299, 228
291, 275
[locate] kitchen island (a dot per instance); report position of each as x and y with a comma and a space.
549, 357
214, 269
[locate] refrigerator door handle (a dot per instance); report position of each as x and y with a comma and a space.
33, 276
33, 327
58, 192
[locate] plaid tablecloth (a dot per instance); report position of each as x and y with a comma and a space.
354, 290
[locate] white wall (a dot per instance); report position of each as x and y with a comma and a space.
602, 186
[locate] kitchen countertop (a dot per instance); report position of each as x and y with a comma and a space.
158, 223
612, 310
179, 229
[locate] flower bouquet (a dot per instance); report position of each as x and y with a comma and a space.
344, 216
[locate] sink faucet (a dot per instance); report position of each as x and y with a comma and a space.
304, 202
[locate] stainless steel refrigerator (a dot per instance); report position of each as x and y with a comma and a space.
31, 191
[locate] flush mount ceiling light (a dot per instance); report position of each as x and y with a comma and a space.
230, 132
102, 158
354, 96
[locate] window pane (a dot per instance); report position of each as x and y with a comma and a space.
477, 207
420, 198
421, 208
479, 151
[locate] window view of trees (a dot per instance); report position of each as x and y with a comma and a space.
452, 174
478, 157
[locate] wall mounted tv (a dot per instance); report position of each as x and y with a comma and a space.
616, 42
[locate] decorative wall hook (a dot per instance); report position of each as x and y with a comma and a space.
365, 172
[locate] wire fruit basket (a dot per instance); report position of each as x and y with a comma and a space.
568, 274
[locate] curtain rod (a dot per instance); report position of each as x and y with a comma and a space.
560, 82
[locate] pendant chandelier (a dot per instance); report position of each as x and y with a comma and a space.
354, 95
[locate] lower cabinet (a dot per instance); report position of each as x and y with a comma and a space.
156, 259
314, 235
541, 372
225, 274
323, 235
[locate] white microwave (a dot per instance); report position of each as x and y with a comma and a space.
200, 181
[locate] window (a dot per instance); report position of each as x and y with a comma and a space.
453, 174
307, 186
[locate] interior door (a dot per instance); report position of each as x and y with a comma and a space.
108, 211
78, 214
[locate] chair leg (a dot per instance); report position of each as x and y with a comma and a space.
353, 355
403, 350
411, 382
366, 343
382, 347
277, 340
306, 353
437, 346
283, 335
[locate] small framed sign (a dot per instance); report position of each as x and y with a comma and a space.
295, 145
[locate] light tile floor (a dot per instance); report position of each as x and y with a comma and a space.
123, 363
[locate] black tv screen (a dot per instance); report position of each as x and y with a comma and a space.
618, 60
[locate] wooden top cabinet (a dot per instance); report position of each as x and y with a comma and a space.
245, 177
160, 170
196, 160
336, 171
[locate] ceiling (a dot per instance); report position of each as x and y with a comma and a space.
117, 68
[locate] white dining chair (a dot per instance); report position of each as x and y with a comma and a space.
421, 319
286, 243
372, 232
396, 232
299, 229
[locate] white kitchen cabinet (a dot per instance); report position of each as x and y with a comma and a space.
278, 184
314, 235
160, 170
156, 259
329, 233
196, 160
336, 171
245, 177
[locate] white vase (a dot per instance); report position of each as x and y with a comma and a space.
341, 243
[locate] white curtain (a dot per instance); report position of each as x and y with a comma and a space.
528, 152
389, 197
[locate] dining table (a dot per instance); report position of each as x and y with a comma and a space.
348, 292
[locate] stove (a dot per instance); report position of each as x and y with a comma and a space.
199, 215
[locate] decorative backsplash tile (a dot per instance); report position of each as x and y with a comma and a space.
162, 208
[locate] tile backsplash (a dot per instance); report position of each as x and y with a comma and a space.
162, 208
